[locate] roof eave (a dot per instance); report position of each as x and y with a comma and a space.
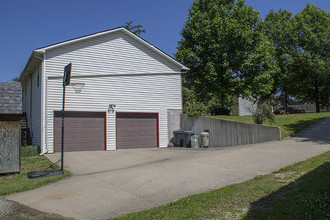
43, 49
159, 51
33, 57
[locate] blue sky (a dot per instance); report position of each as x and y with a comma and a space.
29, 24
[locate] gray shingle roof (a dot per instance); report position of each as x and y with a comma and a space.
10, 98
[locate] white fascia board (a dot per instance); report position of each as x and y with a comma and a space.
34, 56
43, 49
21, 77
152, 47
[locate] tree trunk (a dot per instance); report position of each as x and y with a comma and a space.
222, 100
317, 101
285, 101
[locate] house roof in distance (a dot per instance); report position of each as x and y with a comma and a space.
10, 98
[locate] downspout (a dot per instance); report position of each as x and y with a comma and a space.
30, 105
45, 108
46, 111
43, 119
183, 71
30, 110
43, 99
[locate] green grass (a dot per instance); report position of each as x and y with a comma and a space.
289, 124
12, 183
299, 191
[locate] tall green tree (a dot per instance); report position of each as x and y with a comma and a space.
224, 46
135, 29
311, 78
278, 28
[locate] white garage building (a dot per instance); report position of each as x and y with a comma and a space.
118, 68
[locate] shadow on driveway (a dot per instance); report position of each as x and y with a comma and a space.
318, 132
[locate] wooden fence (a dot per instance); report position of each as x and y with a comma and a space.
9, 146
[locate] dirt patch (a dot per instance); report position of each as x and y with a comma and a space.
13, 210
30, 166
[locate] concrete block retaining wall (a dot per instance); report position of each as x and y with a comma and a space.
226, 133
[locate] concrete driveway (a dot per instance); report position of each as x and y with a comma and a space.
108, 184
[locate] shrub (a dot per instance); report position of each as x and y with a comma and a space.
195, 108
191, 106
219, 110
215, 107
30, 151
261, 113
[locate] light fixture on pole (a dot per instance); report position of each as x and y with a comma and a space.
111, 108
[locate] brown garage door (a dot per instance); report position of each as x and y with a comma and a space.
137, 130
82, 131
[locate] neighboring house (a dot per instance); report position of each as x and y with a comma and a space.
118, 68
10, 115
244, 107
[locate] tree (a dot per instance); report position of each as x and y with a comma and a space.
224, 46
16, 79
278, 28
136, 29
311, 78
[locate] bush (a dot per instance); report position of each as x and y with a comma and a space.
30, 151
190, 104
219, 110
215, 107
261, 113
195, 108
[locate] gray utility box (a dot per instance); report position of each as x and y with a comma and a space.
187, 138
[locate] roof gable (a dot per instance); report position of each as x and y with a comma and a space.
111, 54
37, 54
120, 29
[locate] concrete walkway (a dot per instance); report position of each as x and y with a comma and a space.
108, 184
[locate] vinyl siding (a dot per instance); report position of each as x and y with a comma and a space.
118, 70
33, 109
147, 93
246, 107
115, 53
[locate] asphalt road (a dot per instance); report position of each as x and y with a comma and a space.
110, 183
